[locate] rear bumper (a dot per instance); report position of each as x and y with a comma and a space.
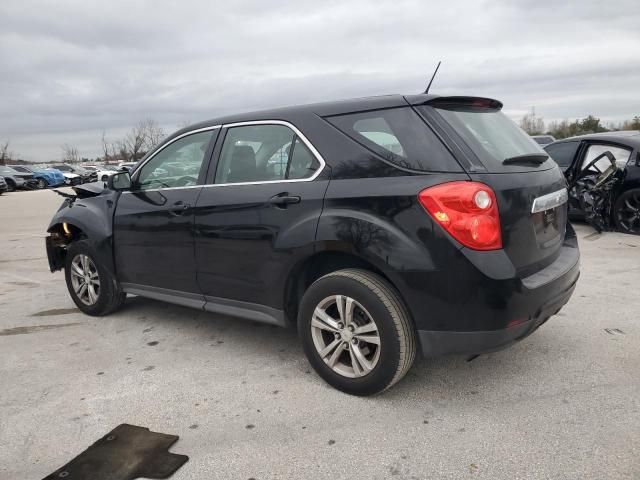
438, 343
482, 305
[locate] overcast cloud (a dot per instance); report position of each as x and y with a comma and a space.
73, 68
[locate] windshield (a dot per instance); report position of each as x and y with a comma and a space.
490, 134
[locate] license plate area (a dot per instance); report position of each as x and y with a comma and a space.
549, 217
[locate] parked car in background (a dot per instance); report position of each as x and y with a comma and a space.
618, 207
127, 165
45, 177
16, 180
85, 175
543, 140
103, 172
380, 226
3, 185
70, 178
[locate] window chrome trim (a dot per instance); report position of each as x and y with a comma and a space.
295, 129
550, 200
300, 135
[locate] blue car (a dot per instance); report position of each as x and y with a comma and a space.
47, 177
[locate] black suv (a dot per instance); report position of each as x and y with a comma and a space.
378, 226
615, 203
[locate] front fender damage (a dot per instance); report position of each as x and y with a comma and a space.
87, 216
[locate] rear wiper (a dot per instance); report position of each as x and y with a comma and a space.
535, 158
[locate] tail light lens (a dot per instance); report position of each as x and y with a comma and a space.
468, 211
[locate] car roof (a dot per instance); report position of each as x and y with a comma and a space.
336, 107
630, 138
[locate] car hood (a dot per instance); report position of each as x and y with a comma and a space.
70, 175
90, 189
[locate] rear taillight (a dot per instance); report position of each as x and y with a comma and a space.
468, 211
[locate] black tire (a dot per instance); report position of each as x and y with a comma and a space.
395, 329
109, 298
42, 183
626, 212
11, 187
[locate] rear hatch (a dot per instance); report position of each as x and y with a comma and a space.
529, 187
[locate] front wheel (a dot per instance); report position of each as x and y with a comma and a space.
92, 287
626, 212
356, 331
42, 183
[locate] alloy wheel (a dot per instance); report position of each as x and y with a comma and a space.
85, 279
42, 183
628, 214
345, 336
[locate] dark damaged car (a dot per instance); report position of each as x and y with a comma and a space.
379, 227
603, 170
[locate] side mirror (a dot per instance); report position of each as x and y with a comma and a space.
119, 181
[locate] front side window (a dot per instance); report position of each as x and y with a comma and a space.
399, 136
176, 165
264, 153
595, 150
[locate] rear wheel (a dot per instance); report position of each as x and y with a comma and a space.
92, 287
356, 332
626, 212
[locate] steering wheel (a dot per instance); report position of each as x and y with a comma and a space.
186, 181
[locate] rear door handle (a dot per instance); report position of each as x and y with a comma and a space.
179, 208
283, 199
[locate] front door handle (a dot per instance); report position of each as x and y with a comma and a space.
179, 208
283, 199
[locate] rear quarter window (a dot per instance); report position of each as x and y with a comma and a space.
400, 137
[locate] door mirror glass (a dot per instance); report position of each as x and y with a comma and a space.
119, 181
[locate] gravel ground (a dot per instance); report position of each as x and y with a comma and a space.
564, 403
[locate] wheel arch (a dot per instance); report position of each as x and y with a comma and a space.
322, 262
91, 221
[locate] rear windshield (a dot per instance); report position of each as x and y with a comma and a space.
489, 133
399, 136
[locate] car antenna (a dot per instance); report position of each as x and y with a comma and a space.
432, 77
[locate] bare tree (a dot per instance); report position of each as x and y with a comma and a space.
153, 133
70, 154
145, 135
531, 124
110, 150
133, 144
5, 155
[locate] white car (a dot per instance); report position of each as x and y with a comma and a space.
102, 172
72, 178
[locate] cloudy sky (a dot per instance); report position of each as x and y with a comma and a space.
71, 69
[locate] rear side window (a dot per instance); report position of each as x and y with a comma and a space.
400, 136
563, 153
264, 153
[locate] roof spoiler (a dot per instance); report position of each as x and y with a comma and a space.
456, 102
